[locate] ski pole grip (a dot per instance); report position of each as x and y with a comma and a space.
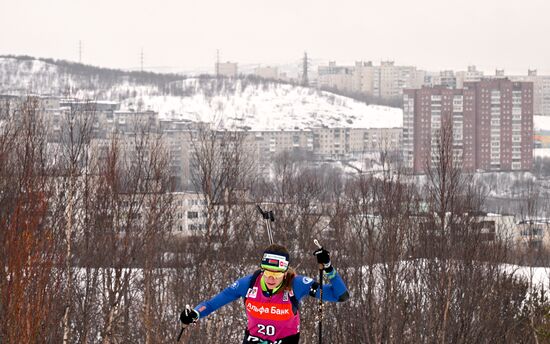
183, 327
265, 214
321, 266
317, 243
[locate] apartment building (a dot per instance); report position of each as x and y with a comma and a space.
226, 69
469, 75
385, 81
541, 83
336, 77
541, 91
267, 72
343, 143
334, 142
321, 143
393, 79
366, 78
491, 121
190, 213
180, 152
532, 233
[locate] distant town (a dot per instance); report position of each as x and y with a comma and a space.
490, 120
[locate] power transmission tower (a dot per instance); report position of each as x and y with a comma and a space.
305, 67
141, 58
79, 51
217, 63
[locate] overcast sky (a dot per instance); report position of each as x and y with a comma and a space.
431, 34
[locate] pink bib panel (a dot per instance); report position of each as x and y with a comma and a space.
270, 317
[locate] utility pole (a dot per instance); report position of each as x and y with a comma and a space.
79, 51
141, 58
305, 81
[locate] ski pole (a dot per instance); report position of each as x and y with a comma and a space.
181, 332
268, 218
321, 267
183, 327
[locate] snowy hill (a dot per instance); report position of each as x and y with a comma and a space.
25, 74
241, 104
248, 103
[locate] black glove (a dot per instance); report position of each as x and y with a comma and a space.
189, 316
323, 258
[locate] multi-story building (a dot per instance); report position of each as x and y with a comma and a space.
226, 69
532, 233
190, 213
445, 78
472, 74
320, 143
267, 72
336, 77
491, 125
179, 148
541, 91
393, 79
385, 81
366, 78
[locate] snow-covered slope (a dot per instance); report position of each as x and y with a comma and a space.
269, 106
248, 103
28, 76
24, 75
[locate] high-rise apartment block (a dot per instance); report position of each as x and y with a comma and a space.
472, 74
541, 91
385, 81
491, 123
336, 77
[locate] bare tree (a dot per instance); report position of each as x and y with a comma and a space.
29, 251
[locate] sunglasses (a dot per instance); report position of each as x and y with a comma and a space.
274, 274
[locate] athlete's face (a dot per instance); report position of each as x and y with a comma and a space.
272, 280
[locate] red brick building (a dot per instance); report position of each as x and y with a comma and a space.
491, 120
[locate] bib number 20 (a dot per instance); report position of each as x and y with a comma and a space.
268, 330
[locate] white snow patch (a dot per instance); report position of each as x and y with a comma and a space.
276, 107
541, 152
535, 276
541, 123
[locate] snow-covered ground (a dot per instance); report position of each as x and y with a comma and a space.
535, 276
541, 152
541, 123
270, 107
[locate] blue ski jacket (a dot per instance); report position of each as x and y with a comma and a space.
334, 291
